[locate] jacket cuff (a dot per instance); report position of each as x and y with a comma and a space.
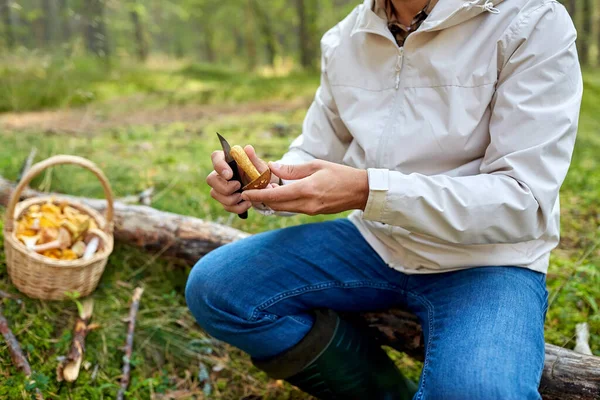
379, 185
263, 209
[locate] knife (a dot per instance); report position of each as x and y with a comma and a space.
233, 165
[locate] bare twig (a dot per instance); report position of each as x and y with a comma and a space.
14, 348
144, 197
68, 369
170, 186
135, 305
16, 354
6, 295
27, 164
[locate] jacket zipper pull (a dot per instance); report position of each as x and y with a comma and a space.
399, 67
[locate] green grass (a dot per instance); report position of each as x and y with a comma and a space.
170, 351
34, 82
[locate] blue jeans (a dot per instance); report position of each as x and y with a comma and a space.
483, 327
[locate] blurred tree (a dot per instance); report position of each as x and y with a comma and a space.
64, 14
266, 30
137, 14
5, 13
307, 35
49, 20
585, 33
572, 7
250, 37
245, 33
95, 28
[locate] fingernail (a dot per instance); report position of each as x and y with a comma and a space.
245, 197
226, 174
275, 165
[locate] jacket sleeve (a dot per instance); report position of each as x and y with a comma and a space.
534, 115
324, 135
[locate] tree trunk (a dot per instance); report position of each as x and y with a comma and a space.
141, 41
307, 18
586, 32
598, 44
267, 32
206, 34
250, 37
302, 34
572, 8
95, 28
5, 13
65, 20
566, 375
49, 21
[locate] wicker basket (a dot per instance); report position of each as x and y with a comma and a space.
45, 278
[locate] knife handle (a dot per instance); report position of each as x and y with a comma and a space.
236, 177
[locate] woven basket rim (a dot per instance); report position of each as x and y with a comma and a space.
11, 237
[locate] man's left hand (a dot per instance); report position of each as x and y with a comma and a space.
319, 187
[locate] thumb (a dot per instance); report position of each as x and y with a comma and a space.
260, 165
293, 172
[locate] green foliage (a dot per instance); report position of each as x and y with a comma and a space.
223, 85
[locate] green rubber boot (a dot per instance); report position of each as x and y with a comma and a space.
335, 360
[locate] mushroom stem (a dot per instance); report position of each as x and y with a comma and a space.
62, 242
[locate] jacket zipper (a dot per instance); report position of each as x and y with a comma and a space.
399, 66
390, 119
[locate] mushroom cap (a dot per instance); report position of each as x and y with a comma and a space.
64, 238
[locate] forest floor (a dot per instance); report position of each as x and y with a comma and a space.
142, 136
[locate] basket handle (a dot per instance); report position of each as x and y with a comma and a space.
36, 169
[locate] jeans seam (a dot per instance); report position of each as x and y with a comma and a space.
317, 287
299, 320
430, 319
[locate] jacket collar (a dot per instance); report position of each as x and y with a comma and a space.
445, 14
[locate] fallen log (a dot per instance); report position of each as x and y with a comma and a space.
567, 374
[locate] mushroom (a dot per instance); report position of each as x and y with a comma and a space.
91, 248
35, 225
79, 248
62, 242
29, 241
92, 238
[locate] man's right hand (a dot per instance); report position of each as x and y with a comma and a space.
222, 189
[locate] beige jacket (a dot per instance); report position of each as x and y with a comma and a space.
467, 132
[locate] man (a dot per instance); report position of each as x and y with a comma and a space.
449, 128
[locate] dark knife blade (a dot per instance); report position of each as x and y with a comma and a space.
233, 165
226, 148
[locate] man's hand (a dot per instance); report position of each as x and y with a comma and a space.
222, 189
321, 187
